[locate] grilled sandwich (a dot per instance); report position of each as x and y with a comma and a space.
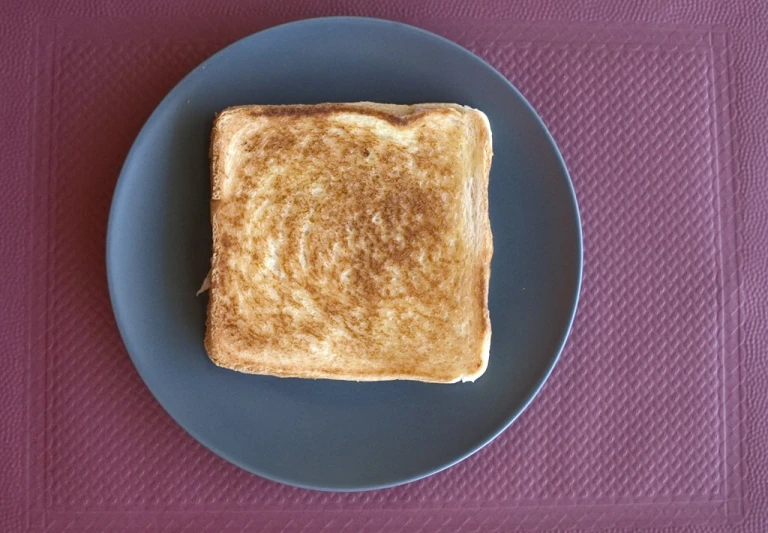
351, 241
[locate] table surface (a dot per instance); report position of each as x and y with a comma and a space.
656, 416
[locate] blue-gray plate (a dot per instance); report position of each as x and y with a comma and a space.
323, 434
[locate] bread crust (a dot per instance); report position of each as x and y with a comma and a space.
351, 241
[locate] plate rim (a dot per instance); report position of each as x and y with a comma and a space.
111, 241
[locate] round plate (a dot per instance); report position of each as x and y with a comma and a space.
323, 434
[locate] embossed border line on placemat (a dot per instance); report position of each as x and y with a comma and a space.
529, 515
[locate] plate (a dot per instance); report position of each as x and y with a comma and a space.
326, 434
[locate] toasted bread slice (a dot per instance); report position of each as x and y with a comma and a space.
351, 241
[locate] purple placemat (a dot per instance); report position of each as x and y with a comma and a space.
655, 416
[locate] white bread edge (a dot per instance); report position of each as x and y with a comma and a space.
481, 168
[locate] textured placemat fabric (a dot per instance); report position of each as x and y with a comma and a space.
654, 418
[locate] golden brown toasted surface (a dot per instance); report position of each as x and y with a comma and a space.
351, 241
